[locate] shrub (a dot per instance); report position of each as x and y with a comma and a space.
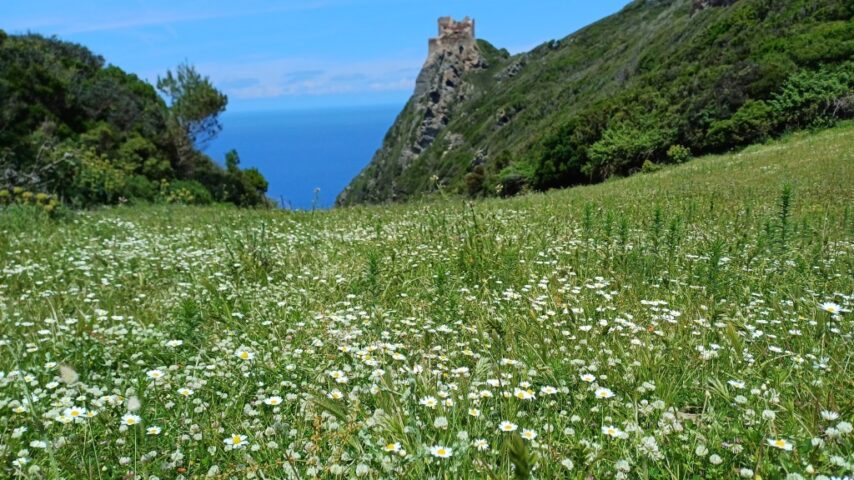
809, 97
623, 146
187, 192
515, 179
40, 201
138, 154
678, 154
650, 167
753, 122
97, 180
474, 181
141, 188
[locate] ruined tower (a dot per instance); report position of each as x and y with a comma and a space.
453, 34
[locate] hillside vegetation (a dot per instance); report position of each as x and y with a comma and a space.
88, 133
690, 323
656, 83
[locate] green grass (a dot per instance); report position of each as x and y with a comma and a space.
693, 294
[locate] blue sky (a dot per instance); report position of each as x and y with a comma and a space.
295, 53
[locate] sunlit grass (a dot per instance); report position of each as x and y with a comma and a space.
693, 323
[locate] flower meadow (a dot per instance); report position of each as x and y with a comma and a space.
692, 323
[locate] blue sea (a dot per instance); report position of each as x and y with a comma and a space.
299, 151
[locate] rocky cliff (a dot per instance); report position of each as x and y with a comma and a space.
440, 86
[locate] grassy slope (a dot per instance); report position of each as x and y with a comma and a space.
452, 285
659, 58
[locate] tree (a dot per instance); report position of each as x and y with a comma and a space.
232, 160
194, 106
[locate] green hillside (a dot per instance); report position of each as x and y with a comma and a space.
657, 82
694, 322
78, 130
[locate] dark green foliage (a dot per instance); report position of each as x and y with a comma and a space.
139, 188
624, 90
93, 134
475, 181
650, 167
751, 123
514, 178
812, 97
678, 154
188, 192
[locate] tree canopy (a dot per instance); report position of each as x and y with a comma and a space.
90, 133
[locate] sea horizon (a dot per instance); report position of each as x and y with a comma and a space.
302, 149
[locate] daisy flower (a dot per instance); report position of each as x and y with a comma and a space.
506, 426
130, 419
611, 431
548, 390
781, 443
75, 413
603, 392
155, 374
831, 308
474, 412
335, 394
273, 401
829, 415
392, 447
339, 376
244, 354
440, 451
588, 378
429, 402
185, 392
529, 434
523, 394
481, 444
236, 441
153, 430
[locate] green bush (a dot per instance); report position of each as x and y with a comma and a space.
515, 179
140, 188
93, 134
623, 147
678, 154
650, 167
187, 192
753, 122
138, 154
812, 97
474, 181
97, 181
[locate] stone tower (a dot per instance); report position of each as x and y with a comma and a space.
453, 34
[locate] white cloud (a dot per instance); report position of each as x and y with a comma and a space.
291, 77
80, 20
